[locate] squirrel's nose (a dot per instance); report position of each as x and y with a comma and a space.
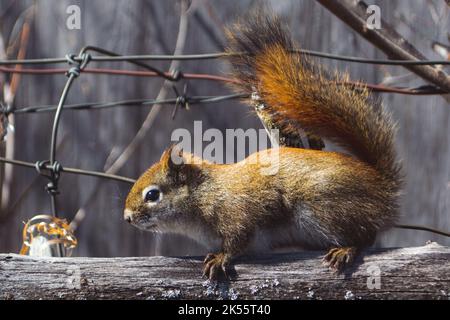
127, 215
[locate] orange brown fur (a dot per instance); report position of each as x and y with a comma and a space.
316, 200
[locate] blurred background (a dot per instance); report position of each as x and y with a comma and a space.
96, 139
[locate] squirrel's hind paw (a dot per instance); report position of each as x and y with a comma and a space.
217, 266
337, 259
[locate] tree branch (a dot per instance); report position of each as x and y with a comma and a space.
353, 13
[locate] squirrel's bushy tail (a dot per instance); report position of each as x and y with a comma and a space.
292, 87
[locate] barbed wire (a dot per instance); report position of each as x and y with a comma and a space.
422, 228
52, 169
47, 166
207, 56
120, 72
188, 99
131, 102
421, 90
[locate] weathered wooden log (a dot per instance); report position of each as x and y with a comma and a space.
401, 273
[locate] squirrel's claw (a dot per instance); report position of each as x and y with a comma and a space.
209, 257
339, 258
216, 266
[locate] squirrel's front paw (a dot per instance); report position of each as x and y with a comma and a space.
217, 266
339, 258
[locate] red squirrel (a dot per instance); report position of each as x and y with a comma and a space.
317, 199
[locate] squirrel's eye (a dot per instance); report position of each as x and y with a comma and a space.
152, 195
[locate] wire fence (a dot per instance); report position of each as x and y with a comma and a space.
52, 169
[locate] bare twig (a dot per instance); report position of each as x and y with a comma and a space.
10, 90
148, 122
353, 13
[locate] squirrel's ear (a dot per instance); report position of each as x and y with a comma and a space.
172, 158
178, 165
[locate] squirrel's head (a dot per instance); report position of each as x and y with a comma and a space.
160, 200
